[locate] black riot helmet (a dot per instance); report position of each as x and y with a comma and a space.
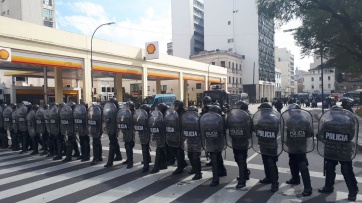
265, 105
242, 105
206, 100
293, 106
346, 103
130, 106
72, 104
46, 106
85, 104
35, 107
146, 108
3, 105
114, 100
216, 109
192, 108
162, 107
216, 104
13, 105
178, 105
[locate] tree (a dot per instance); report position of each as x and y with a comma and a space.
335, 26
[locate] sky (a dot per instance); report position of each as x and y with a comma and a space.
141, 21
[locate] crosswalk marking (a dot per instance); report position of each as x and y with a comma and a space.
343, 197
286, 194
5, 151
4, 163
175, 191
229, 194
48, 181
37, 172
17, 168
131, 187
58, 193
12, 156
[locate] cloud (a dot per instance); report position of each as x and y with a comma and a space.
87, 16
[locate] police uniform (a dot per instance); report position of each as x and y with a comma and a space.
129, 145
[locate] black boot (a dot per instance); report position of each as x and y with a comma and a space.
110, 156
59, 153
294, 170
96, 153
330, 177
273, 169
215, 170
129, 153
197, 166
156, 166
146, 156
221, 166
351, 182
86, 152
68, 152
241, 164
118, 154
181, 163
304, 171
35, 146
24, 147
266, 180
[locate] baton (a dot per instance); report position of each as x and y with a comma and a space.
324, 167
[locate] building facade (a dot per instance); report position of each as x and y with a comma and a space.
284, 60
236, 26
187, 27
41, 12
312, 80
278, 83
231, 61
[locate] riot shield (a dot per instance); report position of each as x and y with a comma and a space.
212, 132
39, 121
66, 121
30, 120
80, 118
157, 129
238, 129
337, 135
109, 118
7, 115
94, 121
172, 126
190, 136
15, 121
22, 113
124, 125
266, 138
47, 120
54, 119
1, 117
140, 127
297, 131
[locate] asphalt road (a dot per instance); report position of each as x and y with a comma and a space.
25, 178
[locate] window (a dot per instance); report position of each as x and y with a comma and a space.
312, 86
233, 80
233, 66
229, 64
231, 49
240, 66
8, 12
329, 85
230, 40
320, 86
108, 89
47, 13
112, 89
3, 13
320, 78
213, 63
48, 24
164, 87
222, 63
312, 80
240, 80
329, 77
229, 22
229, 79
103, 89
236, 80
198, 86
1, 91
148, 88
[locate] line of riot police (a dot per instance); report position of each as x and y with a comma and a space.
268, 132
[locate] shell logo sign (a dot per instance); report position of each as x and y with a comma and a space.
5, 54
152, 50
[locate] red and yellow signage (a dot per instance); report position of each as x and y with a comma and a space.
5, 54
152, 50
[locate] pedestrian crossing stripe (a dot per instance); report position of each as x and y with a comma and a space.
180, 188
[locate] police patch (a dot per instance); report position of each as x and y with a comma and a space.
336, 137
266, 134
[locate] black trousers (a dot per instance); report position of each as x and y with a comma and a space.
299, 164
347, 172
179, 153
271, 169
97, 148
240, 157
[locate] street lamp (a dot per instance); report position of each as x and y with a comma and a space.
208, 72
111, 23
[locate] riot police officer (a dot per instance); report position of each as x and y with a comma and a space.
50, 139
15, 138
207, 101
80, 130
337, 140
109, 128
239, 129
67, 130
54, 121
158, 137
94, 130
298, 140
266, 122
31, 123
191, 139
213, 134
127, 133
3, 136
174, 144
23, 111
142, 135
41, 128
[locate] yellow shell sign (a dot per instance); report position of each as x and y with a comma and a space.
5, 54
152, 50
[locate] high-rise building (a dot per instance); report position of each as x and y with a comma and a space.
40, 12
284, 60
187, 27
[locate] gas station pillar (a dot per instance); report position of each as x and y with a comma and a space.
118, 87
87, 81
58, 80
158, 85
144, 82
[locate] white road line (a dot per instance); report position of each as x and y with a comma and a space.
343, 197
67, 190
229, 194
135, 151
38, 172
6, 151
4, 163
12, 156
130, 187
55, 179
26, 166
286, 194
252, 157
175, 191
